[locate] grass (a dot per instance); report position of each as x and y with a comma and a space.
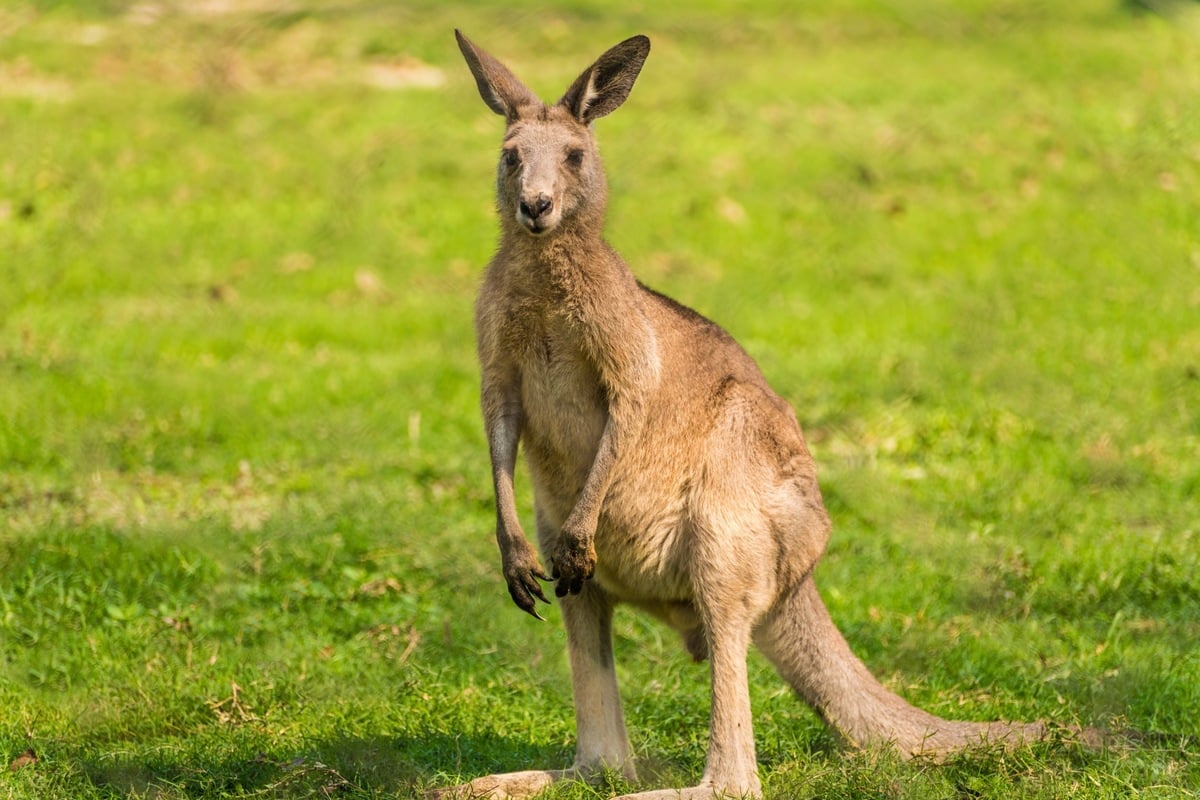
245, 516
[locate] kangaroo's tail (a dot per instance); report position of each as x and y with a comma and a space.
811, 654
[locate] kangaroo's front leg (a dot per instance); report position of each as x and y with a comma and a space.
573, 557
503, 418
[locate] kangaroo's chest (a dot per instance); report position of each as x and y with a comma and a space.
563, 400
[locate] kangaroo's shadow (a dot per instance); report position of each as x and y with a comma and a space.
404, 766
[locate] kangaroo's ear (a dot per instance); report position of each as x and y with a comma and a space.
498, 87
604, 85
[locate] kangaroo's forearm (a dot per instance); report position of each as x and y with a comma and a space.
504, 433
629, 374
521, 568
586, 514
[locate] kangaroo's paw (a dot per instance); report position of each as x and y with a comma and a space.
506, 785
573, 562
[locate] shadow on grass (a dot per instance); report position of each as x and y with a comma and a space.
342, 767
408, 767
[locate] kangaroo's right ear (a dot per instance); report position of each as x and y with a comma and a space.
498, 87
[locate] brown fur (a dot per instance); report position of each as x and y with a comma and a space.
666, 473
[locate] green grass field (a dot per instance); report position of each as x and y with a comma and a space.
245, 510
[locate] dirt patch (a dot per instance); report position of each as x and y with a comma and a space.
21, 79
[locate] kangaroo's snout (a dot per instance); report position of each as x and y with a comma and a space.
536, 213
535, 207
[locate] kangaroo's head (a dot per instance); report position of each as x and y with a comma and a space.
550, 175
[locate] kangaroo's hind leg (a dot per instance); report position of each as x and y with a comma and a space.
601, 740
729, 596
602, 743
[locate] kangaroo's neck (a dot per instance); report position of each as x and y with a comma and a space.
573, 260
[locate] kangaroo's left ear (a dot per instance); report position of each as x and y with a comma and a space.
606, 84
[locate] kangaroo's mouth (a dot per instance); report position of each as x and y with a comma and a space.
535, 227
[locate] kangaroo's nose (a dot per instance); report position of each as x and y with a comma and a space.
537, 207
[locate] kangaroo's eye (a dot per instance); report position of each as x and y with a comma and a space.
575, 157
511, 158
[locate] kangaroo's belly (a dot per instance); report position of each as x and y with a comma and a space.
646, 536
642, 539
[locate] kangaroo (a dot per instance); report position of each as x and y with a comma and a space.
667, 474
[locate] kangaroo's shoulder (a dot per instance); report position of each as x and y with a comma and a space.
684, 316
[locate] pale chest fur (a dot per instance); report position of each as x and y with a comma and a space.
563, 404
565, 409
566, 398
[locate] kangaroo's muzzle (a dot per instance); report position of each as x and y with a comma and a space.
535, 213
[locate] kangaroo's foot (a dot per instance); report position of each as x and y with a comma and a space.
704, 791
505, 785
